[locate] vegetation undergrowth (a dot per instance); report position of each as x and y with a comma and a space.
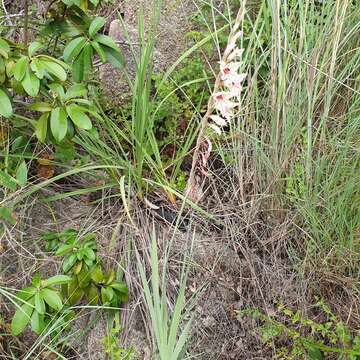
288, 149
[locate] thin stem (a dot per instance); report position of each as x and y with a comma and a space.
26, 22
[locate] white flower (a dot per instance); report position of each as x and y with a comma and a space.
229, 70
223, 103
234, 83
237, 53
218, 120
215, 128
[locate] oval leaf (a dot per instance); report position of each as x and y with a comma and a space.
31, 83
96, 25
5, 105
56, 280
72, 50
78, 117
52, 298
41, 127
58, 123
20, 68
21, 319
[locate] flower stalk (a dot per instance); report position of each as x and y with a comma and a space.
224, 100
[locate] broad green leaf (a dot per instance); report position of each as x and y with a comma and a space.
56, 280
38, 68
114, 57
4, 48
52, 298
107, 41
92, 295
10, 66
7, 181
22, 174
41, 127
100, 51
97, 275
73, 49
31, 83
26, 293
40, 106
313, 352
21, 319
20, 68
107, 295
64, 249
79, 118
74, 292
78, 68
121, 287
76, 90
57, 89
37, 322
39, 304
55, 69
88, 58
58, 123
34, 47
5, 105
7, 215
69, 262
96, 25
95, 2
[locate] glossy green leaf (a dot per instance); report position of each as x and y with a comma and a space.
41, 127
76, 90
31, 83
39, 304
58, 123
121, 287
34, 47
54, 69
100, 51
52, 298
107, 41
69, 262
40, 106
88, 58
37, 322
64, 249
73, 49
97, 24
21, 319
4, 48
26, 293
5, 105
114, 57
56, 280
58, 90
20, 68
22, 174
38, 68
79, 118
107, 294
78, 68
